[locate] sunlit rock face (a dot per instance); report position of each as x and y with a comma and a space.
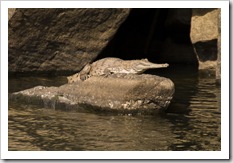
204, 36
11, 11
59, 40
117, 93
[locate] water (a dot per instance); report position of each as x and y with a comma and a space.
192, 121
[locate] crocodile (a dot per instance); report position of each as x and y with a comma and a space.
107, 66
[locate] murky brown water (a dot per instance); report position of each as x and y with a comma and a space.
192, 121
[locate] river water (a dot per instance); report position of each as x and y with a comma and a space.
192, 121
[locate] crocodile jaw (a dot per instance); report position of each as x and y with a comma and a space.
143, 67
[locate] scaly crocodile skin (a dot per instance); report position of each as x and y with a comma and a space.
106, 66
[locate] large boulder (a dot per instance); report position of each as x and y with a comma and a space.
59, 40
11, 12
117, 93
204, 35
218, 68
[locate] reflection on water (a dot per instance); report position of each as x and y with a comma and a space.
192, 121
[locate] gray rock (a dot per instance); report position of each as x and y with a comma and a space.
204, 25
204, 34
117, 93
59, 40
218, 69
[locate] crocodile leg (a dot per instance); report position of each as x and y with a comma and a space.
84, 74
106, 72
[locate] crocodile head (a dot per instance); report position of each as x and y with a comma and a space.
142, 65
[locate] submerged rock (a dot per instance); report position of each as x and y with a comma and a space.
117, 93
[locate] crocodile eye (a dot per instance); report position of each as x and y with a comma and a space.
82, 77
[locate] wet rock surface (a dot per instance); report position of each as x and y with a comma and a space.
118, 93
59, 40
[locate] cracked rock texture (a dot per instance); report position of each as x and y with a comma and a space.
59, 40
117, 93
